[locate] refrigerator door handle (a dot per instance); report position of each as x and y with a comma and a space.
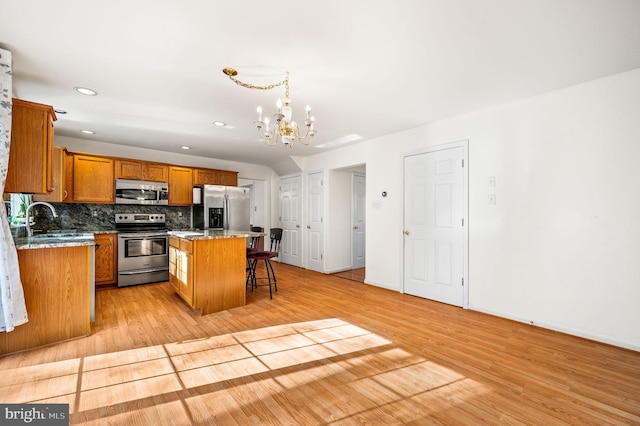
226, 211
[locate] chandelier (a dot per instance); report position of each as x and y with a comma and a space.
284, 128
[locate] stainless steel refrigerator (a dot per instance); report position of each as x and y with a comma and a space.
223, 207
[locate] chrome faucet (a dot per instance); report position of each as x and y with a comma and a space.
26, 214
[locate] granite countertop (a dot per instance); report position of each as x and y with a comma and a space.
54, 239
211, 234
66, 239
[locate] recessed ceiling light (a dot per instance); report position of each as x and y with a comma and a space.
88, 132
219, 123
85, 91
185, 147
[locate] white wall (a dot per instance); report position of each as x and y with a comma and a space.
561, 246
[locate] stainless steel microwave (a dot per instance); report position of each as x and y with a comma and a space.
141, 192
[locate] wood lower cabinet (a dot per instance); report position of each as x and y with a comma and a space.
209, 274
181, 268
180, 186
30, 168
56, 284
93, 180
106, 266
141, 170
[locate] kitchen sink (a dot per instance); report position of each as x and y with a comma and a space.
61, 236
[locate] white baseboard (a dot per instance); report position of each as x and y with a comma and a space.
555, 327
380, 285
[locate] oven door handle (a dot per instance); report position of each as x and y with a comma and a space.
143, 271
142, 235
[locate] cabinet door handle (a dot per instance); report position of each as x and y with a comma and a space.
406, 232
308, 226
355, 227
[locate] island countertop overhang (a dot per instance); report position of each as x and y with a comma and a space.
210, 234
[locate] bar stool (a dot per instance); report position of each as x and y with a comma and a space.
252, 248
275, 236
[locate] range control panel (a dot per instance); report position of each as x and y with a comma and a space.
140, 218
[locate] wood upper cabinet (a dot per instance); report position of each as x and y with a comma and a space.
141, 170
214, 177
156, 172
30, 167
93, 180
227, 178
60, 191
106, 263
180, 186
204, 177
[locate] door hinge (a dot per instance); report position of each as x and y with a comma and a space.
463, 221
463, 162
321, 258
462, 282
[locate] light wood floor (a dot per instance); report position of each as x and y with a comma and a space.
352, 274
325, 350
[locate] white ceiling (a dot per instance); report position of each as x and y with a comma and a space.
367, 67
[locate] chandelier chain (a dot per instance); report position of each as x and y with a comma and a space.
269, 87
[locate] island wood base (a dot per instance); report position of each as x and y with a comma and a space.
209, 273
56, 289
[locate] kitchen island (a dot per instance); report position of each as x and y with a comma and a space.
56, 274
207, 269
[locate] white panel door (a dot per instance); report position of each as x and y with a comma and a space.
315, 225
290, 220
358, 220
433, 225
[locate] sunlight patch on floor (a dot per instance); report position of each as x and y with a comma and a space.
204, 380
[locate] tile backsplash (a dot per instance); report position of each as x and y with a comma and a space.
101, 217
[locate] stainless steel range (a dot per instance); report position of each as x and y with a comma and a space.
143, 248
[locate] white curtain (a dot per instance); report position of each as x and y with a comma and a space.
13, 311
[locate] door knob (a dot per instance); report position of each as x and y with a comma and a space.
297, 226
406, 232
308, 226
355, 227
